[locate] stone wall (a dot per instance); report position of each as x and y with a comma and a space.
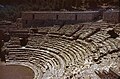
35, 18
45, 16
28, 16
111, 16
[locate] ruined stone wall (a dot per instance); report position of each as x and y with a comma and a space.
56, 17
111, 16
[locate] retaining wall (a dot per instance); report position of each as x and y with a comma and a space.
111, 16
37, 18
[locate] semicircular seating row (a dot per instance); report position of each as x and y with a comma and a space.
59, 48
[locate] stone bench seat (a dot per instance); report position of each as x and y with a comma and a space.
57, 57
41, 60
45, 57
42, 54
72, 49
78, 53
35, 39
41, 66
18, 52
17, 59
99, 36
13, 46
70, 29
43, 29
85, 33
116, 42
65, 47
62, 53
111, 46
51, 62
67, 37
56, 35
16, 42
54, 29
82, 51
92, 47
60, 46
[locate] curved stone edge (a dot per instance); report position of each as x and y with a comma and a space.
36, 70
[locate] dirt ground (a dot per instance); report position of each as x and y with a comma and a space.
15, 72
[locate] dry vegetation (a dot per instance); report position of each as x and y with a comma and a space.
11, 9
